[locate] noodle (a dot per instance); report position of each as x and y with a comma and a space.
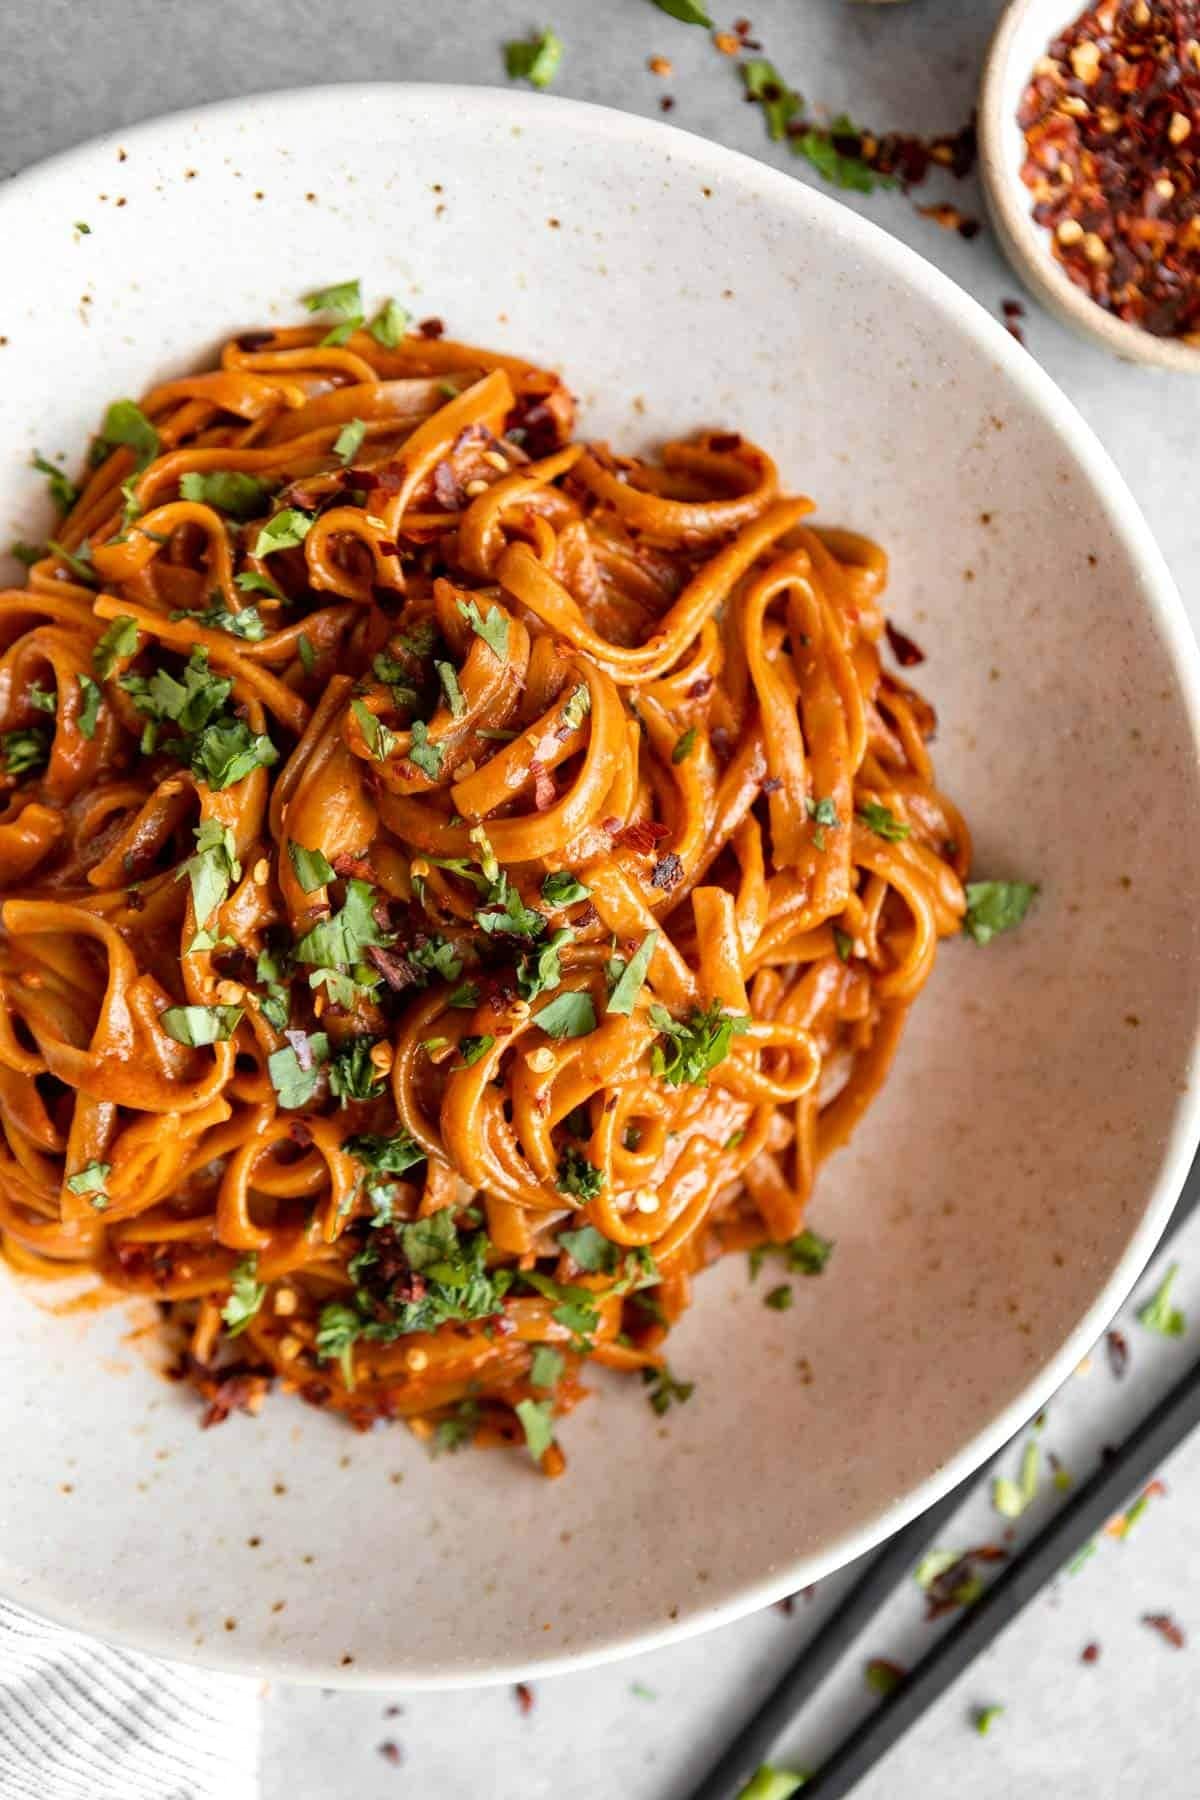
458, 882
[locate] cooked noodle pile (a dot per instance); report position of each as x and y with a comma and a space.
458, 881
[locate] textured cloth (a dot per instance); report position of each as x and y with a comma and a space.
80, 1720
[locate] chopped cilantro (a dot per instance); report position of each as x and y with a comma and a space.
251, 582
541, 970
226, 753
883, 822
386, 1155
352, 1074
389, 324
378, 739
348, 442
534, 60
546, 1367
337, 1328
684, 745
339, 941
764, 84
246, 623
578, 706
693, 1045
589, 1247
1158, 1314
665, 1391
576, 1309
42, 699
423, 754
516, 918
448, 678
578, 1176
457, 1428
808, 1253
119, 642
212, 868
246, 1295
563, 889
780, 1298
631, 976
470, 1049
91, 1180
537, 1422
89, 707
843, 943
493, 629
126, 424
230, 491
308, 656
768, 1783
283, 532
985, 1718
994, 906
344, 301
438, 956
829, 153
25, 751
294, 1083
1010, 1498
63, 491
568, 1015
196, 1026
685, 10
313, 868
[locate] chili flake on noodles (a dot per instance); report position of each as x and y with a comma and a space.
1111, 118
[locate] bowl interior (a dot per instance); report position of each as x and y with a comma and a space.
1001, 1195
1022, 36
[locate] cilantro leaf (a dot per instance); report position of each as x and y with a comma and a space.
693, 1045
43, 699
576, 1310
470, 1049
768, 1783
119, 642
685, 10
308, 656
246, 624
352, 1074
227, 752
386, 1155
246, 1295
578, 706
568, 1015
534, 60
684, 745
578, 1176
91, 1180
1158, 1314
389, 324
883, 822
541, 970
808, 1253
537, 1422
831, 154
590, 1248
339, 942
63, 491
780, 1298
843, 943
294, 1083
283, 532
343, 299
1011, 1498
378, 739
515, 918
563, 889
438, 956
985, 1718
764, 84
348, 442
89, 710
251, 582
631, 977
457, 1428
230, 491
493, 629
665, 1391
196, 1026
211, 870
126, 424
191, 703
25, 751
338, 1328
423, 753
994, 906
546, 1367
313, 868
448, 677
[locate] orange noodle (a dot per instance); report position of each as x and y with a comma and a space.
457, 881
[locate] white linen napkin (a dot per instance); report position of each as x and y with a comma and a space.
80, 1720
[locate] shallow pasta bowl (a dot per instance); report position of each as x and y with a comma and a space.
1001, 1196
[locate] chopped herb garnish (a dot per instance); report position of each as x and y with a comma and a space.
448, 677
118, 643
630, 976
808, 1253
883, 822
492, 628
63, 491
457, 1428
665, 1391
340, 941
226, 753
352, 1074
470, 1049
779, 1299
994, 906
764, 84
212, 869
196, 1026
577, 708
378, 739
25, 751
1158, 1314
537, 1422
830, 153
283, 532
27, 553
768, 1783
386, 1155
338, 1327
348, 442
578, 1176
125, 424
1011, 1498
843, 943
541, 971
293, 1077
389, 324
246, 1295
589, 1247
83, 228
685, 10
563, 889
91, 1179
438, 956
344, 301
534, 60
693, 1045
308, 656
569, 1015
251, 582
576, 1309
79, 560
43, 699
230, 491
424, 754
89, 705
985, 1718
313, 868
684, 745
546, 1367
246, 624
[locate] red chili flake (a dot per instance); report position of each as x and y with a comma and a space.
431, 328
524, 1694
236, 1390
386, 481
906, 652
1111, 119
1117, 1345
949, 217
1012, 309
299, 1133
255, 340
724, 441
611, 825
772, 784
393, 1711
666, 104
1166, 1628
667, 872
346, 865
391, 1753
445, 486
643, 836
1090, 1653
544, 791
786, 1606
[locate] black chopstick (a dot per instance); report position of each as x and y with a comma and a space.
1161, 1432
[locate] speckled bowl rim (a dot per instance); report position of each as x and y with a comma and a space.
303, 109
1027, 244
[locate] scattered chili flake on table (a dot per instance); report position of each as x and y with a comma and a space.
1111, 118
1117, 1345
524, 1694
1090, 1653
391, 1753
1166, 1628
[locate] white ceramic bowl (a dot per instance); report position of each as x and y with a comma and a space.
1025, 29
1004, 1192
